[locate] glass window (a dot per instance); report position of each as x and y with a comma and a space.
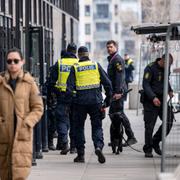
87, 10
51, 17
10, 7
47, 15
35, 11
101, 45
21, 9
88, 45
1, 21
102, 27
40, 10
87, 29
116, 28
116, 9
102, 10
2, 5
44, 14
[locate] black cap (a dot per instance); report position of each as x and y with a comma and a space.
72, 47
82, 49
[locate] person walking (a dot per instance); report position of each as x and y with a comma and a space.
116, 72
58, 77
129, 68
86, 78
21, 107
51, 102
153, 83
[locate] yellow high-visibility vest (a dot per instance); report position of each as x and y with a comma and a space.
64, 67
87, 75
130, 61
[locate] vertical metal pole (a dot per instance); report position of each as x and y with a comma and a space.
27, 53
139, 79
17, 31
165, 95
44, 122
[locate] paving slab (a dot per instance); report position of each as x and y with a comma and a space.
128, 165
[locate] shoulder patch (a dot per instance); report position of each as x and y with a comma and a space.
118, 66
146, 76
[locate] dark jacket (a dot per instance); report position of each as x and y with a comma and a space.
90, 96
153, 81
51, 98
129, 71
116, 73
61, 96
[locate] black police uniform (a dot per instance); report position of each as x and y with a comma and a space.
63, 107
88, 101
153, 82
51, 106
116, 72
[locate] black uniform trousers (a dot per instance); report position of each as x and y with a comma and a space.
51, 124
80, 114
118, 116
62, 120
151, 114
72, 128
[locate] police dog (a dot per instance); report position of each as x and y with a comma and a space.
116, 133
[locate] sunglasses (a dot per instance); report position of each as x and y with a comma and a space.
10, 61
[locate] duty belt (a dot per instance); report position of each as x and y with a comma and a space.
87, 87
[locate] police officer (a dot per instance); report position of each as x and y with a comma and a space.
129, 68
116, 72
59, 74
153, 82
51, 106
86, 78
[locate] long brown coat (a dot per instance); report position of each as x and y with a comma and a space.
16, 147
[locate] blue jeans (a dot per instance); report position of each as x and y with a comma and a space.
62, 119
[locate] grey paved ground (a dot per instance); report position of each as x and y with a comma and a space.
129, 165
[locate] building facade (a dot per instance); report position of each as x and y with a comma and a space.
102, 20
40, 28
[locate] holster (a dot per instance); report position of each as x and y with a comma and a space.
142, 96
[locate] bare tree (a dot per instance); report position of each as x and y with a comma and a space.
156, 11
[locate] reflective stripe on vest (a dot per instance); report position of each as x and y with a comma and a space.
87, 75
64, 67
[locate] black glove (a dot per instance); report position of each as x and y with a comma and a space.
107, 102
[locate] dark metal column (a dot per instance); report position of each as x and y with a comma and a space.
17, 29
27, 41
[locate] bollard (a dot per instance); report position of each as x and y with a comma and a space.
38, 142
44, 129
34, 150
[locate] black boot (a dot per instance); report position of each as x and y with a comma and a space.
51, 146
65, 149
59, 145
79, 159
73, 150
157, 148
39, 155
100, 155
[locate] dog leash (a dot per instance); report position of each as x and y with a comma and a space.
137, 150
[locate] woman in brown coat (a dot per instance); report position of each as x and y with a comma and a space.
21, 108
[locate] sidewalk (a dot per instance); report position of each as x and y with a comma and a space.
128, 165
